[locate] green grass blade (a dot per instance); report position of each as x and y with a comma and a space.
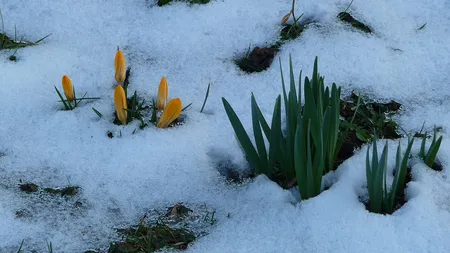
379, 181
300, 158
259, 139
400, 176
333, 127
43, 38
395, 184
275, 136
432, 152
421, 27
81, 99
50, 247
383, 169
374, 154
187, 106
422, 146
241, 134
97, 112
263, 122
206, 97
23, 240
299, 105
292, 89
66, 104
369, 175
327, 135
309, 165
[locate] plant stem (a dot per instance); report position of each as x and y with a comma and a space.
293, 12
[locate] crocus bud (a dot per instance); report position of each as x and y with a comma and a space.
120, 65
285, 18
171, 112
120, 101
163, 94
68, 88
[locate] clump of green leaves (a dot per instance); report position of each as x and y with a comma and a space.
429, 157
15, 43
164, 2
291, 31
381, 200
369, 119
308, 147
346, 17
135, 111
152, 238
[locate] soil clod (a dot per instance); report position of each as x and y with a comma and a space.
346, 17
28, 187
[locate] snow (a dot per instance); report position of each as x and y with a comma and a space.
122, 178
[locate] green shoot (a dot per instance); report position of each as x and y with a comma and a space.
21, 244
309, 146
429, 157
380, 199
97, 112
49, 247
70, 105
187, 106
422, 27
206, 98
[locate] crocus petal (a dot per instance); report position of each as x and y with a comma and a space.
163, 94
285, 18
120, 64
120, 101
68, 88
171, 112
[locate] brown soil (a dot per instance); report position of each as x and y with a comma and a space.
259, 59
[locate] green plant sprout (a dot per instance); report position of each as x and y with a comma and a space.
380, 199
429, 157
422, 27
308, 147
294, 30
72, 104
206, 98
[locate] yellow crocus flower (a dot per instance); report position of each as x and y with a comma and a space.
171, 112
68, 88
120, 101
163, 94
120, 64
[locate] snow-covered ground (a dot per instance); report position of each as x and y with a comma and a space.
122, 178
